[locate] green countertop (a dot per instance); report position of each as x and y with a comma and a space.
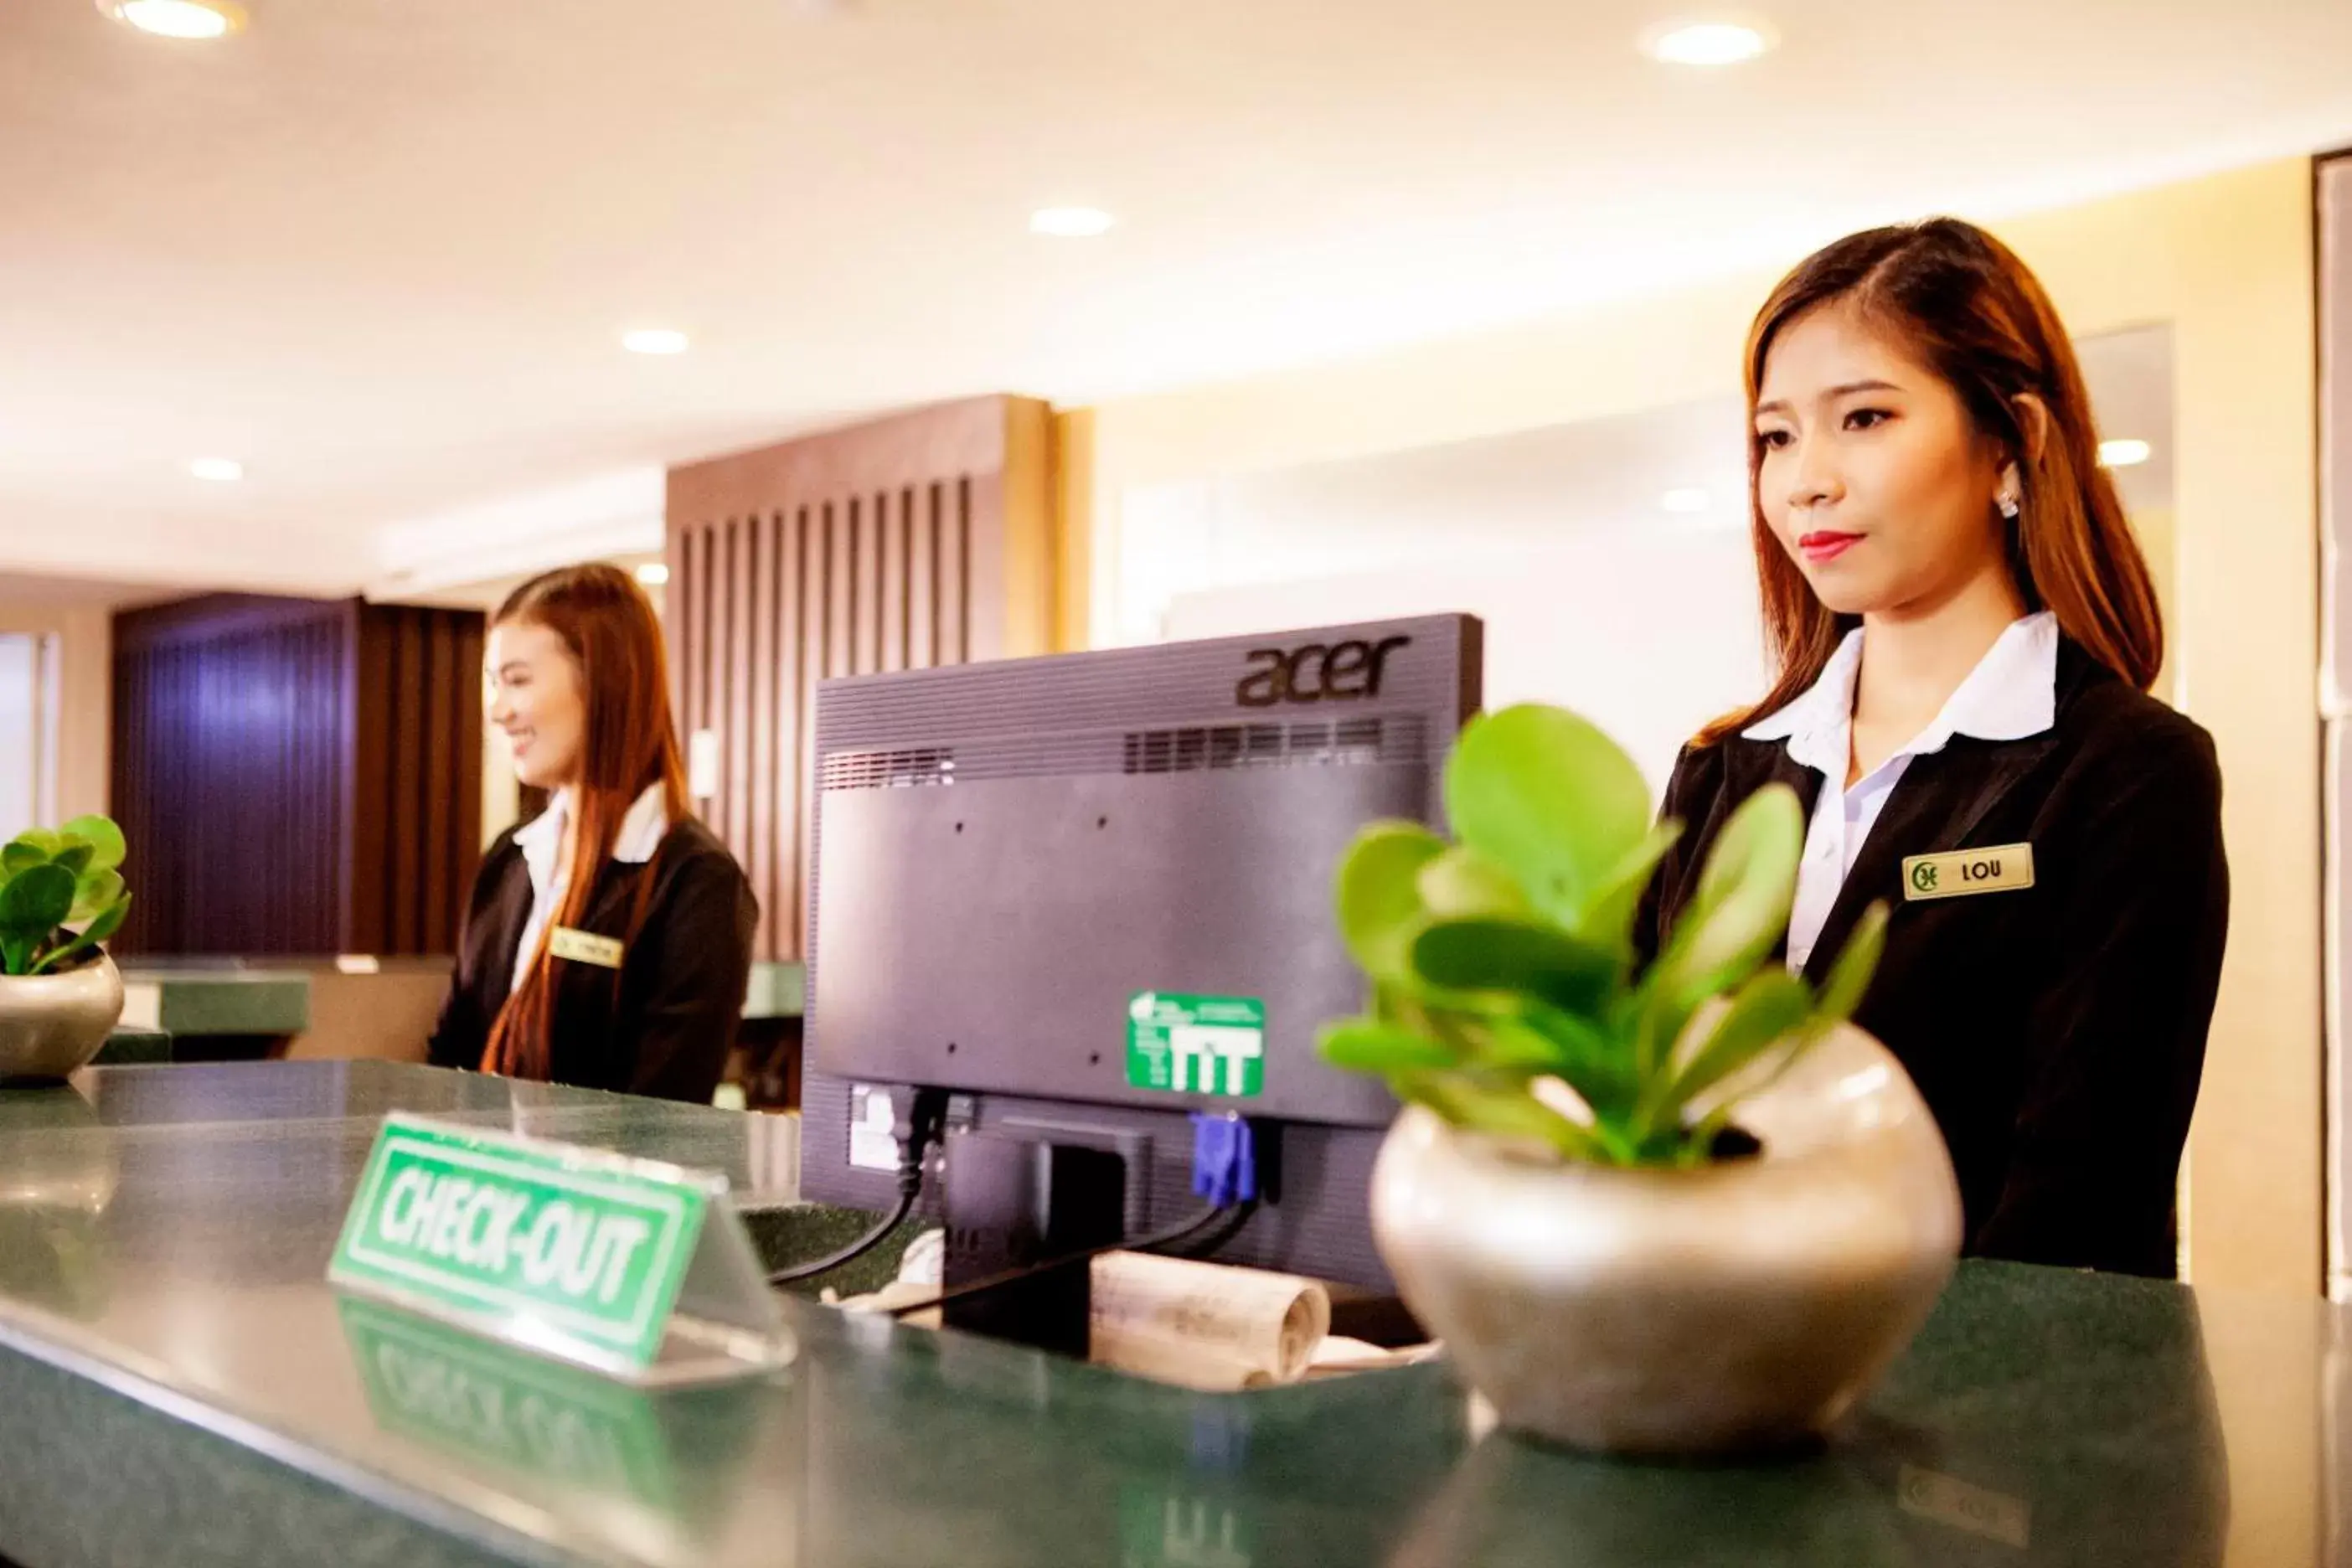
128, 1048
210, 1000
178, 1384
777, 991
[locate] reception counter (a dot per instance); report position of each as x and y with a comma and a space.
178, 1384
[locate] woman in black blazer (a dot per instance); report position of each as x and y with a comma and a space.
631, 976
1965, 632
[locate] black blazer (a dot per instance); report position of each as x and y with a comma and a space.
2057, 1032
667, 1028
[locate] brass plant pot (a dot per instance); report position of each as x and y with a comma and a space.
1742, 1306
51, 1025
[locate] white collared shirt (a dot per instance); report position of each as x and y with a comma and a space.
2012, 694
541, 843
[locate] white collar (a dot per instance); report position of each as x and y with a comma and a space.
641, 832
2010, 694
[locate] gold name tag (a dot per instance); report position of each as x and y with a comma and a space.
584, 947
2001, 869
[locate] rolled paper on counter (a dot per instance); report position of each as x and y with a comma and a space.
1206, 1326
1187, 1363
1231, 1328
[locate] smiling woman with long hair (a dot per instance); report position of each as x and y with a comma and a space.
1965, 633
609, 939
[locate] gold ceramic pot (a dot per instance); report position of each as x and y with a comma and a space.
1743, 1305
51, 1025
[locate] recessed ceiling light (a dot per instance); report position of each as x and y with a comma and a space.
178, 18
2124, 454
1705, 43
220, 470
653, 574
654, 340
1687, 500
1070, 223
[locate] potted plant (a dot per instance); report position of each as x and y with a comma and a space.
1679, 1209
61, 895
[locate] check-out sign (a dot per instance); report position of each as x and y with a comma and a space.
527, 1240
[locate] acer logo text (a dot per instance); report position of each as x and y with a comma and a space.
1315, 672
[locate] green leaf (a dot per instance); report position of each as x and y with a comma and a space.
103, 834
42, 840
1551, 799
108, 922
1769, 1008
1608, 919
33, 904
1738, 912
19, 856
93, 890
1581, 1055
1380, 907
1462, 883
1534, 961
1516, 1050
76, 856
33, 901
1755, 857
1366, 1044
1510, 1112
1849, 977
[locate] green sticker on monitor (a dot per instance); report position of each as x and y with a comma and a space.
1196, 1044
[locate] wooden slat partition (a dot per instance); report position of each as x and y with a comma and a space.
297, 776
417, 830
910, 541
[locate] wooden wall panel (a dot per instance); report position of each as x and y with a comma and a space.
741, 547
923, 579
893, 580
418, 843
908, 542
762, 567
232, 736
297, 776
405, 721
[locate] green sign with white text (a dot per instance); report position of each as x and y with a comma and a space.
1196, 1044
531, 1242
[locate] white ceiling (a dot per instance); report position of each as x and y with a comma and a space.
381, 249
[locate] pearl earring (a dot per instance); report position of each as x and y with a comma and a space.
2007, 504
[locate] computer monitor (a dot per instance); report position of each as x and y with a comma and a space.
1091, 893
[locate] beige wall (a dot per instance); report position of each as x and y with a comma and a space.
2226, 261
86, 692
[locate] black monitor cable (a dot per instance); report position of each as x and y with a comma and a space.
924, 1118
1225, 1172
1219, 1224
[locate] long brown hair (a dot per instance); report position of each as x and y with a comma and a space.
608, 626
1965, 304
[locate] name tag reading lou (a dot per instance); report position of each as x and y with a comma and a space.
1958, 873
584, 947
574, 1253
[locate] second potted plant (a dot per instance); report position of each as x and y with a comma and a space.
61, 895
1679, 1209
